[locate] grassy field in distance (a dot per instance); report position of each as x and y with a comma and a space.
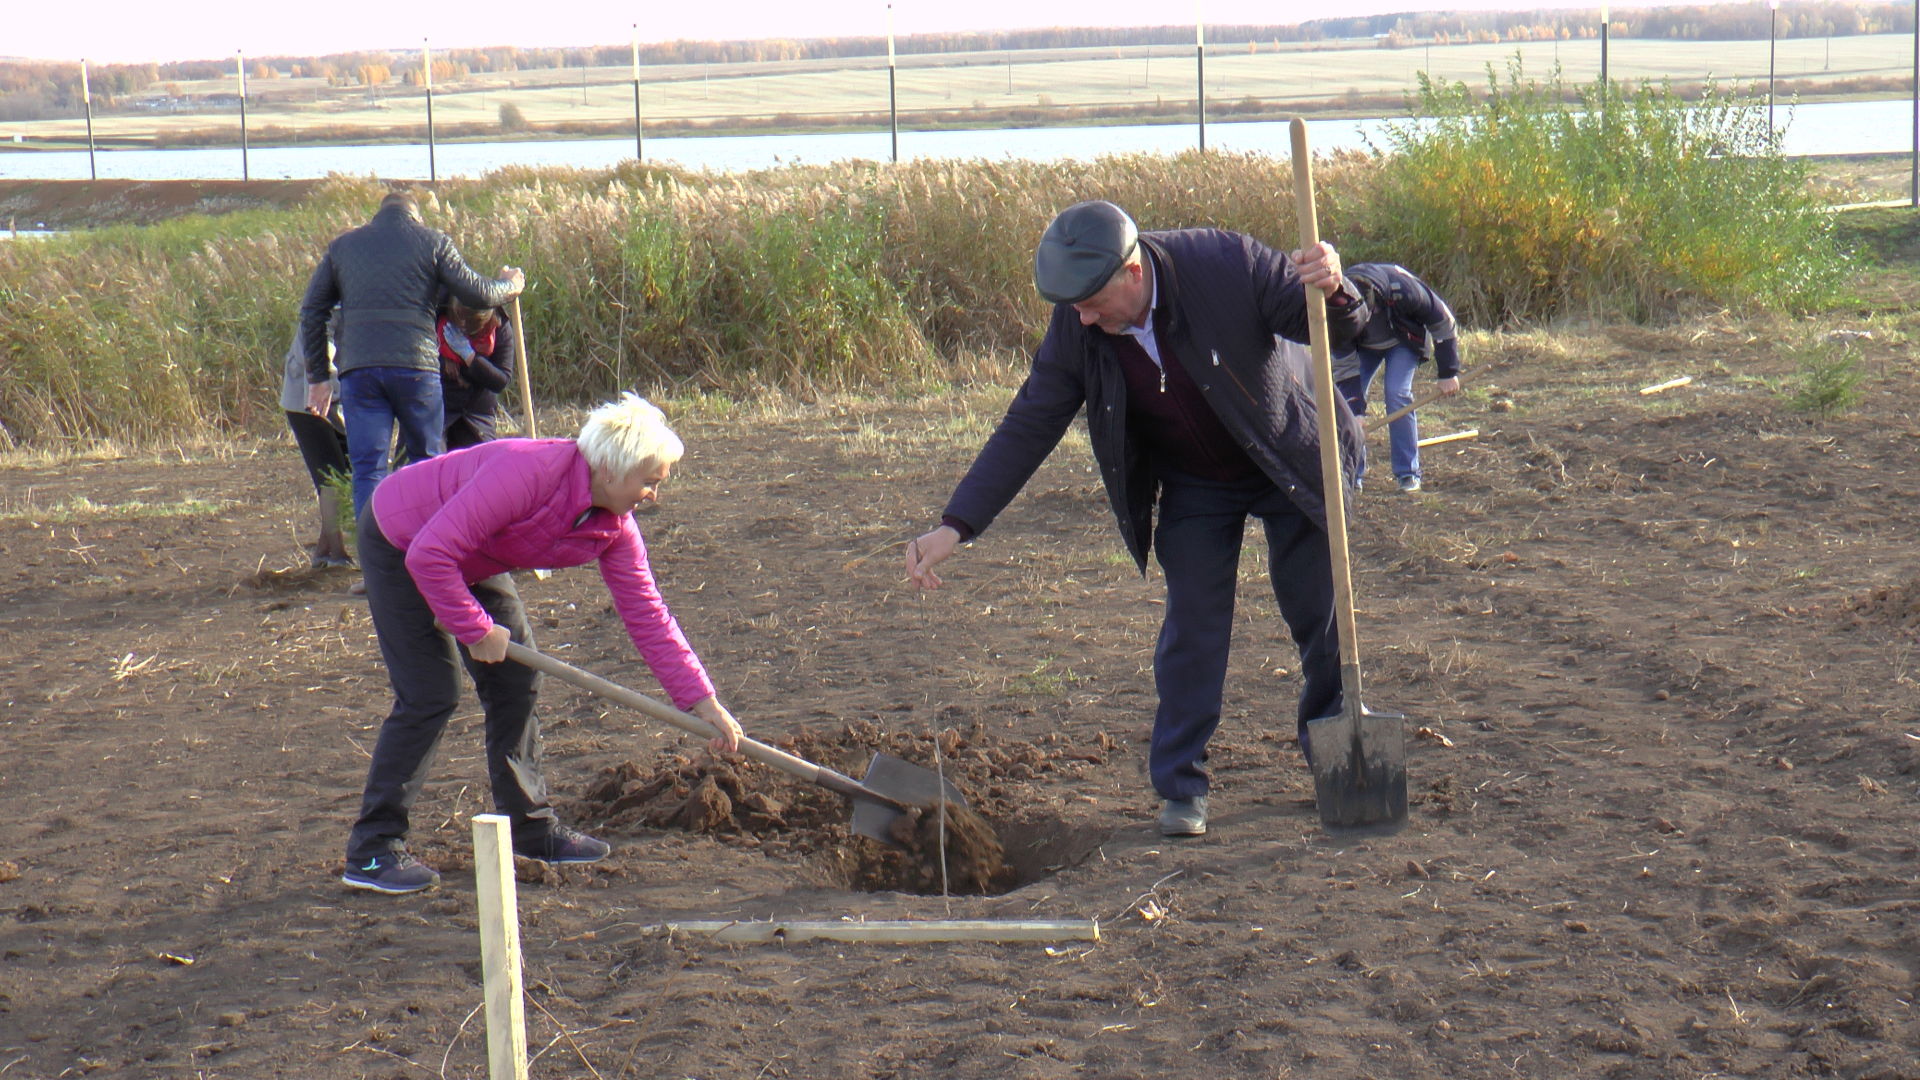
1336, 78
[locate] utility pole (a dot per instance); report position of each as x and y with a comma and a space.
1606, 88
638, 149
240, 68
1773, 34
86, 98
1200, 68
893, 99
1605, 29
426, 77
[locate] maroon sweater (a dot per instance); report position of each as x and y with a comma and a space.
1179, 428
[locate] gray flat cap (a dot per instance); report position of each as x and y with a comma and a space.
1080, 251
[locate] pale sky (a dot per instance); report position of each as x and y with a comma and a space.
124, 31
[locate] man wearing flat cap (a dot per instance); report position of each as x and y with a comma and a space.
1194, 408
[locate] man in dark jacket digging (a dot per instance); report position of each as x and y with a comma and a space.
1168, 340
387, 277
1409, 324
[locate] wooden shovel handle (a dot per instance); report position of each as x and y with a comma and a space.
1420, 402
1333, 489
693, 725
526, 382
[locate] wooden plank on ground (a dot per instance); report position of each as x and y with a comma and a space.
1670, 384
887, 931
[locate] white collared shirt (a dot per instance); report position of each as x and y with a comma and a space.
1144, 334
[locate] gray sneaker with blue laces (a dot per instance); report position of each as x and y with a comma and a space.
394, 872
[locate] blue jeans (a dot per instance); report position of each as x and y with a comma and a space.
1404, 434
1202, 524
374, 399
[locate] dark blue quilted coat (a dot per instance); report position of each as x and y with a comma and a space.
1226, 295
388, 277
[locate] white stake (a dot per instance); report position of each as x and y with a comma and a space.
500, 947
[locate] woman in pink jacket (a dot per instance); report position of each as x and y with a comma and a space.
437, 542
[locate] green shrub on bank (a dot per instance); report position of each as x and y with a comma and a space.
861, 275
1529, 201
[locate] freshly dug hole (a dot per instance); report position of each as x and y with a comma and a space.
975, 860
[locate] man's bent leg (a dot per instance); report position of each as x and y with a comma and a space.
1300, 566
420, 408
1198, 544
369, 417
1404, 433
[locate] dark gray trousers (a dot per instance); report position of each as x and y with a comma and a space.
423, 665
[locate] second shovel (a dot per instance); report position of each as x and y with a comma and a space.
1359, 756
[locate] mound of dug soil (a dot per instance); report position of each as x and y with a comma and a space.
1888, 605
951, 848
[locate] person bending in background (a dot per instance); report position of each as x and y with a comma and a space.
387, 277
476, 363
1194, 411
1409, 323
437, 547
323, 448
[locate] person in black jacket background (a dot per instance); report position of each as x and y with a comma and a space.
1193, 409
1408, 324
387, 277
476, 362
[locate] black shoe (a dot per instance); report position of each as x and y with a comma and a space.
1184, 817
562, 845
394, 873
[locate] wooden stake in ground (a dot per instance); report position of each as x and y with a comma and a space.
500, 945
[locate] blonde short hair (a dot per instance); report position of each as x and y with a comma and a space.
624, 435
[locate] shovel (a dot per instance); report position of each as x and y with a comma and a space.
892, 787
1420, 402
1359, 756
520, 372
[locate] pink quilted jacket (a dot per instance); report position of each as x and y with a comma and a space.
523, 504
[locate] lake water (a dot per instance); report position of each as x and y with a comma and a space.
1850, 127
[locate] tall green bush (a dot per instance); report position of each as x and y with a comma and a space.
1531, 200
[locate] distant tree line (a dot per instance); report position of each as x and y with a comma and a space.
38, 90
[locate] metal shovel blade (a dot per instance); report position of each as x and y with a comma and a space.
905, 783
1360, 771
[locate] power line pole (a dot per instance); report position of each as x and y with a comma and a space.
638, 148
240, 68
1200, 69
86, 98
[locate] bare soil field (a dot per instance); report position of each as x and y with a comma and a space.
1658, 655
